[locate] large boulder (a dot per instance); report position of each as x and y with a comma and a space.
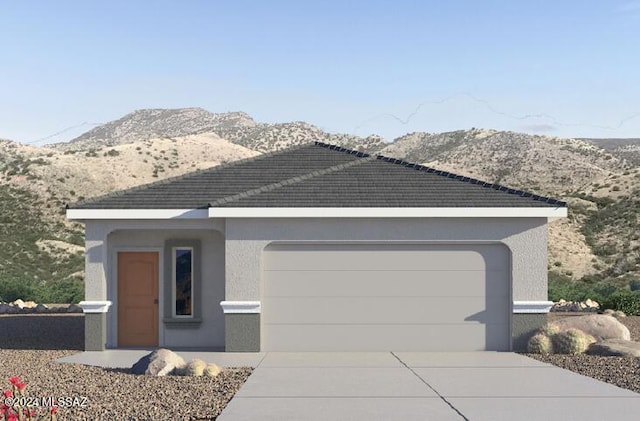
599, 326
616, 348
158, 363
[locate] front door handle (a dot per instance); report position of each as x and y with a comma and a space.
155, 301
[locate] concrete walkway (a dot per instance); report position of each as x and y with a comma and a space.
475, 386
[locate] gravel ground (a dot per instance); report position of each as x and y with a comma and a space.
621, 371
31, 343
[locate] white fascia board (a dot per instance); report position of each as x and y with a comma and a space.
523, 307
543, 212
137, 214
242, 307
95, 306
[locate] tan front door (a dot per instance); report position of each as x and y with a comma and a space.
137, 299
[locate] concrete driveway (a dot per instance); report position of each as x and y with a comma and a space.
406, 386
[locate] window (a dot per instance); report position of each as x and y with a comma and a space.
182, 296
182, 281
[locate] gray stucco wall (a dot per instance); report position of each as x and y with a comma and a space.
526, 238
105, 238
233, 269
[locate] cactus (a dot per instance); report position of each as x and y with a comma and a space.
195, 368
550, 330
212, 370
572, 341
540, 343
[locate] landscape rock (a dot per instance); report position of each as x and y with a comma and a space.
29, 304
599, 326
18, 303
615, 348
74, 308
41, 308
28, 307
158, 363
8, 309
574, 306
615, 313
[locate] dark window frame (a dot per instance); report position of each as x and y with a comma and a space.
170, 319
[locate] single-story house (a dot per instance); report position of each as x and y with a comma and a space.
316, 248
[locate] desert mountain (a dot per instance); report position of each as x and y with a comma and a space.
547, 165
600, 239
237, 127
148, 124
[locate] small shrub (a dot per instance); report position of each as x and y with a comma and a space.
540, 344
212, 370
12, 289
68, 291
196, 368
623, 300
550, 330
572, 341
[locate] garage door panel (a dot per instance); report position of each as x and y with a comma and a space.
380, 310
462, 337
385, 297
400, 257
373, 283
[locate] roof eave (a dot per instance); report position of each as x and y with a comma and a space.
457, 212
391, 212
85, 214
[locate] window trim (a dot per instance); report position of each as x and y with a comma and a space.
170, 319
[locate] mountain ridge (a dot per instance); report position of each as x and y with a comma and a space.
599, 183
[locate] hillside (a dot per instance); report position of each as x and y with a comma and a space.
36, 183
628, 149
546, 165
600, 239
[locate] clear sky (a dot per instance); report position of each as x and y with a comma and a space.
566, 68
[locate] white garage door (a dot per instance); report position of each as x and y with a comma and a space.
348, 297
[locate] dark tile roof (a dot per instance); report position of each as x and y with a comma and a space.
318, 175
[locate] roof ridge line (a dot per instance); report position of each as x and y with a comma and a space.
463, 178
294, 180
190, 174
